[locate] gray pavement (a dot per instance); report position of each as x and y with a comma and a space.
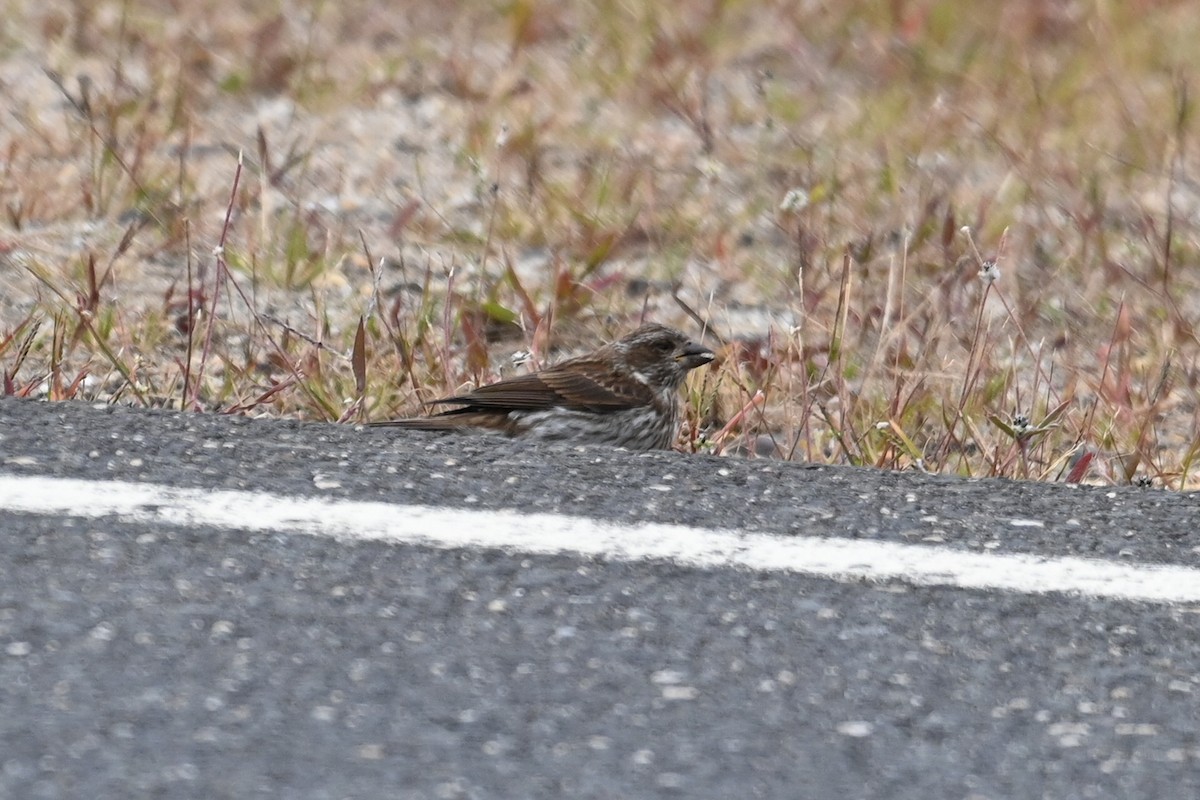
174, 663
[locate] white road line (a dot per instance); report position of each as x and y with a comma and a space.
838, 559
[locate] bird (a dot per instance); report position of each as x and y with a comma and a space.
624, 394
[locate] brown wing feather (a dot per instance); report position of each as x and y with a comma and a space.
526, 392
594, 387
583, 385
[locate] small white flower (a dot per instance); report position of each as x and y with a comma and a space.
990, 271
796, 199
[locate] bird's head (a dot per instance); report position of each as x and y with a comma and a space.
661, 356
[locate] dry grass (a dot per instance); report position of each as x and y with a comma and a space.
424, 192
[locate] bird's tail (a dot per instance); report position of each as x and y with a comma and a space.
457, 420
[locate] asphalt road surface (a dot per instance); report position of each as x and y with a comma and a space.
151, 654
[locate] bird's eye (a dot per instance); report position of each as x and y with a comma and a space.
663, 346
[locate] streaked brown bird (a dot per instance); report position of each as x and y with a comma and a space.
624, 394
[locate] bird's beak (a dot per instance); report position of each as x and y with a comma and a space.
693, 355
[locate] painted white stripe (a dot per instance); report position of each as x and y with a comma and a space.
838, 559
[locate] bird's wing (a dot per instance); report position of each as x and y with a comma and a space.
583, 385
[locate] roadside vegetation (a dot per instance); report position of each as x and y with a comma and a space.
948, 235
